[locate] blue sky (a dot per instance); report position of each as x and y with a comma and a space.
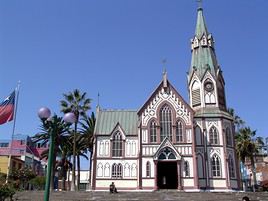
115, 47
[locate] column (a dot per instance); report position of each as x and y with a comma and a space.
155, 175
179, 175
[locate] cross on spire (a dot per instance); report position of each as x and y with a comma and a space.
98, 99
199, 2
164, 61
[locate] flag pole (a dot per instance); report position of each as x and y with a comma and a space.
13, 130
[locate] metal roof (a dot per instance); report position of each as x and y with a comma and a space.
108, 119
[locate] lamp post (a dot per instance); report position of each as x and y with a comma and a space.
44, 114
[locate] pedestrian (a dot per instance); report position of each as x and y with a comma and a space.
113, 188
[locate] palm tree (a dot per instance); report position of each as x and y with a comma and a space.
238, 122
78, 104
59, 128
248, 147
64, 163
81, 151
88, 125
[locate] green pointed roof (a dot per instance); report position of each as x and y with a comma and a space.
201, 27
203, 55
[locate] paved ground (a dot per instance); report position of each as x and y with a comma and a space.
140, 196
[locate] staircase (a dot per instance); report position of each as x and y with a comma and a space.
141, 196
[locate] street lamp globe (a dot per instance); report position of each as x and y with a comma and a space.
69, 117
44, 113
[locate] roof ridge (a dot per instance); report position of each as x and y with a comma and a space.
119, 110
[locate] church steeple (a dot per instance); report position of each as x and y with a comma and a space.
201, 27
202, 47
205, 80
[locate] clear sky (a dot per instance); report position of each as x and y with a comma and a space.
115, 47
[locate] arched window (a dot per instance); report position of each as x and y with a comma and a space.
179, 131
231, 167
213, 135
209, 92
186, 169
216, 166
148, 169
127, 170
200, 166
117, 145
153, 131
196, 100
117, 171
107, 170
100, 170
165, 123
198, 136
228, 136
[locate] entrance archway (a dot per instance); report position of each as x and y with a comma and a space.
167, 175
167, 169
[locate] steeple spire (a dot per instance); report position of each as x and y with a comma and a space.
202, 46
205, 80
201, 27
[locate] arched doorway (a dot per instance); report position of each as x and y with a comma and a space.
168, 170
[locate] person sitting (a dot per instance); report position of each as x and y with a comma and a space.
113, 188
245, 198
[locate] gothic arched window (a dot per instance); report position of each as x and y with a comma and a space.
228, 136
117, 171
209, 92
215, 166
148, 169
117, 143
231, 167
186, 169
196, 100
198, 135
179, 131
165, 123
213, 135
153, 131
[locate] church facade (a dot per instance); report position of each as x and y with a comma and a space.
169, 143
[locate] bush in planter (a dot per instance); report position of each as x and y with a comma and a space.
38, 182
22, 177
6, 191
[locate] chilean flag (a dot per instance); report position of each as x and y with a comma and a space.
7, 108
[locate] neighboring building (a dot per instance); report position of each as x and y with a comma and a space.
169, 143
23, 149
84, 180
261, 166
15, 163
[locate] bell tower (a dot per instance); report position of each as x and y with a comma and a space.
213, 125
205, 80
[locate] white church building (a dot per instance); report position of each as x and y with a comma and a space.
170, 143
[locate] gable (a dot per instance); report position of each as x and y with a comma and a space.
166, 144
165, 94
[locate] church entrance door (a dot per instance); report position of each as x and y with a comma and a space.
167, 175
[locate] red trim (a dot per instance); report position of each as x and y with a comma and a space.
94, 162
140, 159
155, 175
196, 182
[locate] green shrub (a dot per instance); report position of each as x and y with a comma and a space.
38, 182
6, 191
